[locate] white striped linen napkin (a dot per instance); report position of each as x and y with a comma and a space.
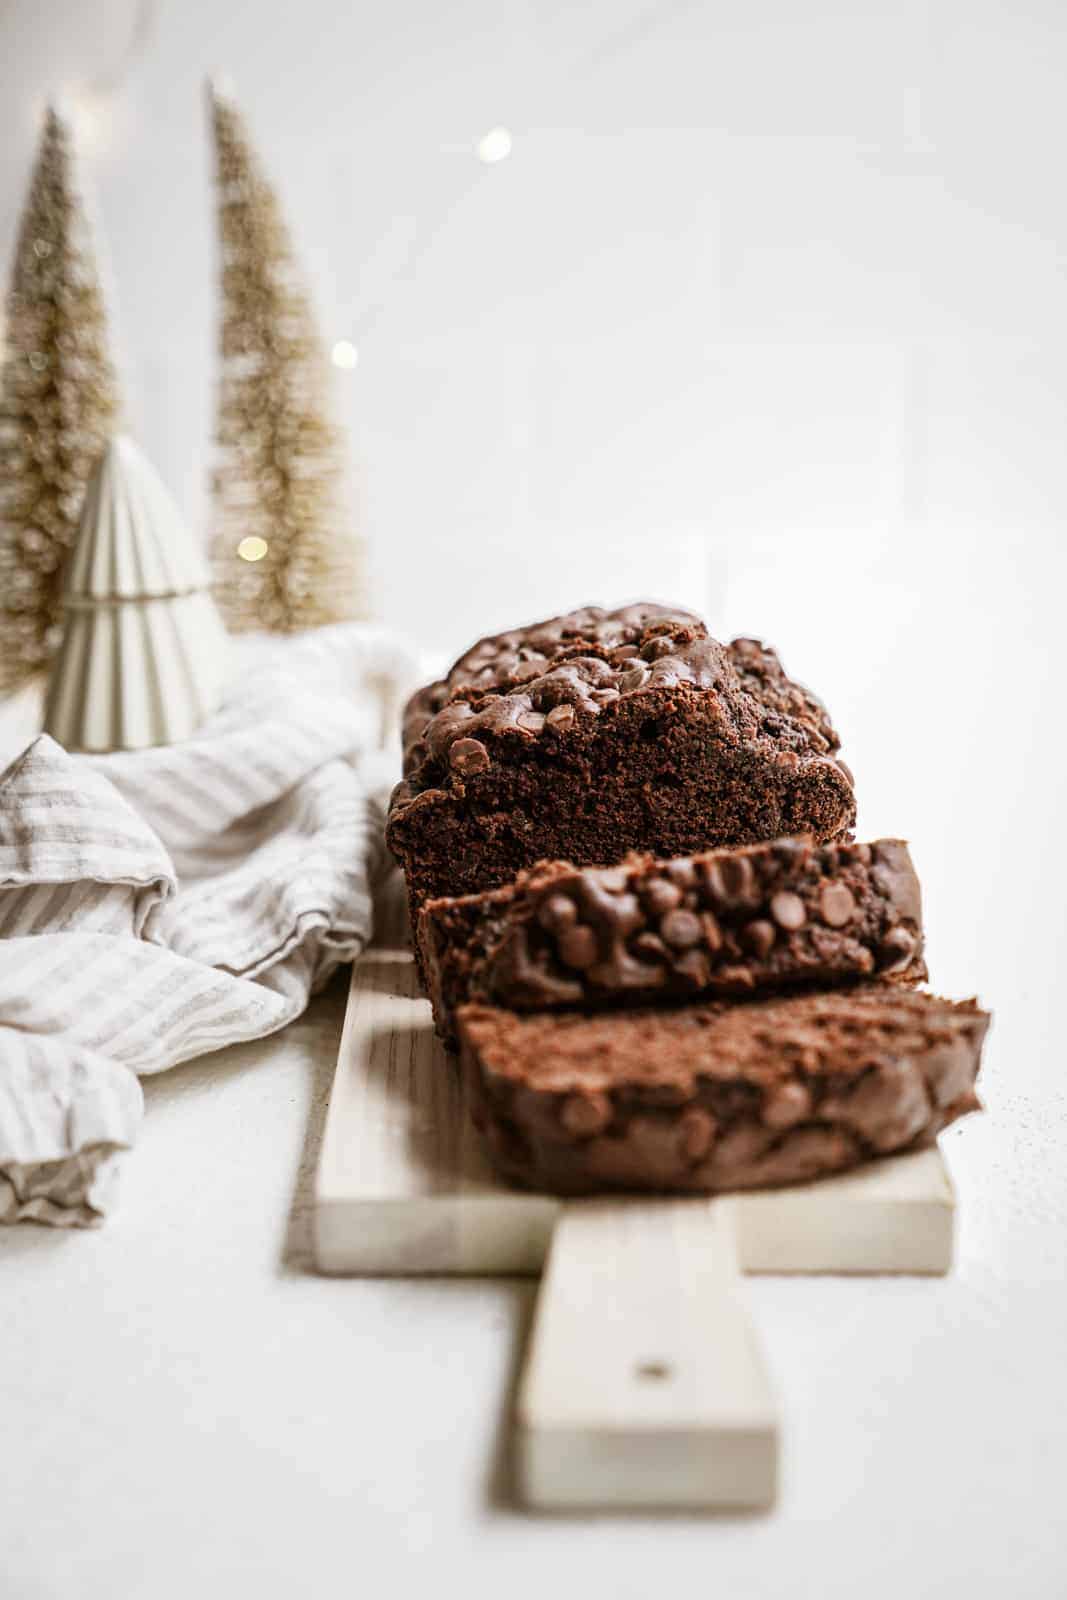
158, 904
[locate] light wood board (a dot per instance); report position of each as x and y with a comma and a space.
644, 1384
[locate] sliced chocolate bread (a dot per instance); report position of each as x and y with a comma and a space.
717, 1097
598, 733
753, 919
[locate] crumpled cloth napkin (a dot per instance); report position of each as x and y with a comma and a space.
158, 904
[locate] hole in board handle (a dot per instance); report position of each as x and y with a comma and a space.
656, 1370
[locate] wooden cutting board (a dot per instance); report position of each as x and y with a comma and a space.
644, 1384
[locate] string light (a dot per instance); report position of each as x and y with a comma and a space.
494, 146
253, 548
344, 354
91, 113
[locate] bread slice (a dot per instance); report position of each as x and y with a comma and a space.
735, 922
718, 1097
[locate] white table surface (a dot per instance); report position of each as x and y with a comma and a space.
186, 1409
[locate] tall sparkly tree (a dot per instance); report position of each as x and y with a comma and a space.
58, 404
286, 555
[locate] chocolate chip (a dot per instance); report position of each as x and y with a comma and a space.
836, 905
577, 947
730, 880
468, 756
896, 949
561, 717
888, 1105
759, 937
662, 896
636, 678
650, 945
748, 651
683, 873
584, 1115
625, 914
712, 932
788, 911
655, 649
785, 1105
532, 721
713, 883
604, 697
737, 875
738, 1149
526, 670
557, 913
681, 929
736, 977
693, 966
696, 1133
613, 879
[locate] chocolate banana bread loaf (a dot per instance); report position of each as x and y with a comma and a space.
717, 1096
727, 922
594, 734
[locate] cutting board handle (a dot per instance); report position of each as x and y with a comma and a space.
644, 1384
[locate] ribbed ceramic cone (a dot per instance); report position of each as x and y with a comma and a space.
144, 650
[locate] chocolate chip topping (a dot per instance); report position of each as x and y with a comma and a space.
468, 757
730, 880
696, 1133
758, 936
661, 895
836, 905
495, 660
557, 913
785, 1105
549, 678
788, 910
680, 929
577, 947
897, 949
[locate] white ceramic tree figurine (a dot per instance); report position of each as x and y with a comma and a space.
143, 651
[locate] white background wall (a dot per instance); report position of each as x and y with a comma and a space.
766, 284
